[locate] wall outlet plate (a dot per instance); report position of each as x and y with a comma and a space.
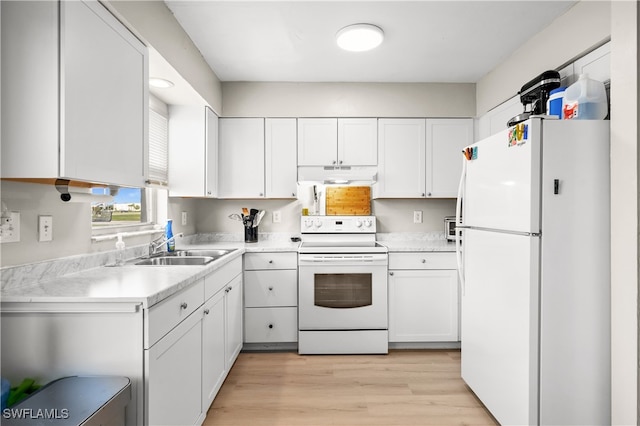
45, 228
184, 219
10, 227
417, 216
277, 216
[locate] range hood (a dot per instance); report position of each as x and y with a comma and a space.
362, 175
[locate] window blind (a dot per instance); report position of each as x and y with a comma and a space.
158, 148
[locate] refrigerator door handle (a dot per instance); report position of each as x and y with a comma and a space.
461, 187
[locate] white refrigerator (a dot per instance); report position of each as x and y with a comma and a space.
535, 275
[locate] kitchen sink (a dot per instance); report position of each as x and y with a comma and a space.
183, 257
215, 253
176, 260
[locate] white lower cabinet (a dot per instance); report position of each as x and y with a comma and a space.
271, 298
174, 375
213, 348
233, 321
423, 298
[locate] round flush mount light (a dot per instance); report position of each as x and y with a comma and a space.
359, 37
160, 83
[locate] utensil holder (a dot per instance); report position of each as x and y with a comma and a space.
250, 234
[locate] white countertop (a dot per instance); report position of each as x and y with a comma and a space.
146, 285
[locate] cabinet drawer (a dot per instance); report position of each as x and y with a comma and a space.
170, 312
270, 288
219, 278
422, 260
270, 325
253, 261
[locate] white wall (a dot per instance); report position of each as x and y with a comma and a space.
348, 100
625, 134
582, 27
393, 215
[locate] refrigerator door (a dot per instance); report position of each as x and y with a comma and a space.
575, 312
500, 323
502, 186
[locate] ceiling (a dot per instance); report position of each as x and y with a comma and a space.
425, 41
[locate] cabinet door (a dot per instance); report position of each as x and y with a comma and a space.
317, 141
357, 141
187, 152
446, 139
233, 308
401, 158
423, 306
241, 158
104, 97
173, 380
281, 169
211, 149
213, 352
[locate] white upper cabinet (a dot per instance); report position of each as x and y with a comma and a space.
193, 151
280, 158
241, 158
446, 138
74, 94
420, 158
401, 158
337, 142
357, 141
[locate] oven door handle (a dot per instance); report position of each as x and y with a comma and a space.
342, 259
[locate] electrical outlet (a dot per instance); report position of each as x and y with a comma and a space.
10, 227
184, 218
45, 228
277, 217
417, 216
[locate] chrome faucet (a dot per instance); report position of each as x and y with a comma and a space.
160, 241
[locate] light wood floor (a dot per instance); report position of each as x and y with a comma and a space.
406, 387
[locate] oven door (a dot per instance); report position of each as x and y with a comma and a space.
342, 292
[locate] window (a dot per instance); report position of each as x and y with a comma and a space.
127, 207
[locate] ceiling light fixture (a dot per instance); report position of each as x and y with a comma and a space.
160, 83
359, 37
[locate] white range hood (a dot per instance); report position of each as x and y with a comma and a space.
361, 175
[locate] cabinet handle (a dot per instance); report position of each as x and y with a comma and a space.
206, 312
390, 273
429, 194
340, 162
228, 289
261, 194
270, 288
271, 261
270, 325
423, 194
334, 162
293, 194
424, 260
183, 305
208, 192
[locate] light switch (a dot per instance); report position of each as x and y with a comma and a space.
184, 218
277, 217
45, 228
417, 216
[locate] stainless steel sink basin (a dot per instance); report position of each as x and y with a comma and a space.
215, 253
176, 260
183, 257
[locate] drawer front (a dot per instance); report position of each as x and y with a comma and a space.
421, 260
270, 325
270, 288
170, 312
287, 260
219, 278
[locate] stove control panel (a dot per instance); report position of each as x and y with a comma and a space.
338, 224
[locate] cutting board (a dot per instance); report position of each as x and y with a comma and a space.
348, 200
